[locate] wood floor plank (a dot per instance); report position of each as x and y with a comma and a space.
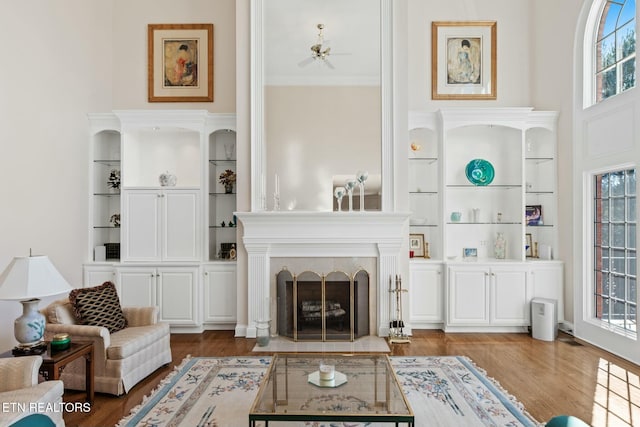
549, 378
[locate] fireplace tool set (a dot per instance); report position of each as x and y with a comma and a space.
396, 334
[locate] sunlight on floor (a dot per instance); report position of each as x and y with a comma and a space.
617, 397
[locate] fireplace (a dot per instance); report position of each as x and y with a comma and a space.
332, 237
319, 307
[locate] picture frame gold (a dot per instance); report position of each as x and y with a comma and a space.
529, 245
463, 60
180, 63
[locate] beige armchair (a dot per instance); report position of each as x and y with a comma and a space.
21, 395
122, 358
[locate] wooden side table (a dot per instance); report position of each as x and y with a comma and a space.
53, 363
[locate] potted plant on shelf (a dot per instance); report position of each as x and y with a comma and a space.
115, 220
114, 179
227, 179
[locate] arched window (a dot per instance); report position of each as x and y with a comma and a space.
615, 49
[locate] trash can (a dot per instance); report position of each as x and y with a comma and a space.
544, 319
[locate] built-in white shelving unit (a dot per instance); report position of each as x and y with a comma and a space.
169, 238
484, 292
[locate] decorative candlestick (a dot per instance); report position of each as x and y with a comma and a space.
338, 193
350, 184
276, 194
361, 177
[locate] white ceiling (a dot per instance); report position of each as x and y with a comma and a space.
351, 29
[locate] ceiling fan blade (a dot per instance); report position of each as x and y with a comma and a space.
329, 64
306, 62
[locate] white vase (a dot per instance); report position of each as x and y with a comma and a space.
29, 327
500, 246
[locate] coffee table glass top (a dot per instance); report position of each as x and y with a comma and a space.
364, 388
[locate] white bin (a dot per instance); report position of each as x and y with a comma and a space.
544, 319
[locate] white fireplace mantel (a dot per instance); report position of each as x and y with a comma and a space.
319, 234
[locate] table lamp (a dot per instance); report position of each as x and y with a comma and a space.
27, 279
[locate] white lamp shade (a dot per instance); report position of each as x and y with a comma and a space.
31, 277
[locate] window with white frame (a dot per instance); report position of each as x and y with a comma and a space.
615, 49
615, 273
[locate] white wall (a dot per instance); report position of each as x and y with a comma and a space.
606, 138
65, 59
57, 68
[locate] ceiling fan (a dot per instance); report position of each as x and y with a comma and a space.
318, 51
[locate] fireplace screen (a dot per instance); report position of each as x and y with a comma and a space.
318, 307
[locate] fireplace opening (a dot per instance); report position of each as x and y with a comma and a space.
319, 307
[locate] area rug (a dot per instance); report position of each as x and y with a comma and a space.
217, 392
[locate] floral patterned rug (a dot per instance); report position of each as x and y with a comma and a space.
217, 392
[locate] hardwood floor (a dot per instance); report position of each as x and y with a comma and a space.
549, 378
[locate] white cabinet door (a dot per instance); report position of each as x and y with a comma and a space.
509, 296
468, 299
96, 275
177, 295
220, 293
547, 282
136, 286
141, 225
427, 298
161, 225
180, 225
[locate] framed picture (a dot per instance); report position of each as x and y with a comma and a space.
529, 245
416, 244
180, 62
463, 60
470, 253
533, 215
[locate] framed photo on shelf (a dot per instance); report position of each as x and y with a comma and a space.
417, 245
529, 245
470, 254
533, 214
180, 62
463, 60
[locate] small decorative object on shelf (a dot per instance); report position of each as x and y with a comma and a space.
361, 177
499, 217
415, 147
500, 246
533, 215
227, 179
228, 149
168, 180
480, 172
456, 216
338, 193
114, 179
223, 224
225, 250
349, 185
232, 252
115, 220
476, 214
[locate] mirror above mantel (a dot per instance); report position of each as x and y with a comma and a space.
312, 121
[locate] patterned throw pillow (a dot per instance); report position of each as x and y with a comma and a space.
98, 306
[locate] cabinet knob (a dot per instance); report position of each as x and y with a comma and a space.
206, 273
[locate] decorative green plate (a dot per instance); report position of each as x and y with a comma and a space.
480, 172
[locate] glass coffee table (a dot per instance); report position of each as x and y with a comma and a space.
359, 387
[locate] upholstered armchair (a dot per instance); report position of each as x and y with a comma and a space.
21, 395
122, 358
